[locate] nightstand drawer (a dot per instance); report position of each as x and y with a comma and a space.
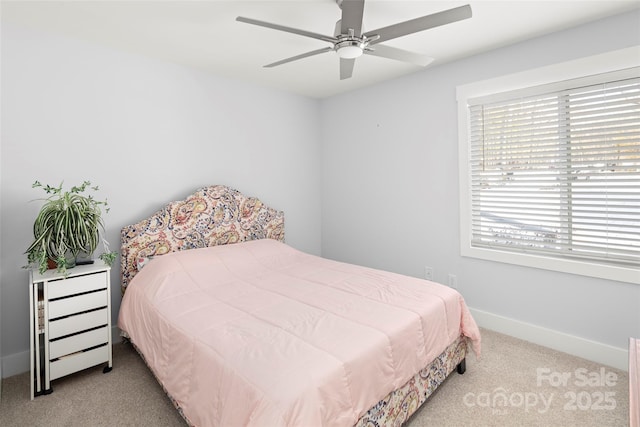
77, 304
75, 343
78, 361
77, 285
79, 322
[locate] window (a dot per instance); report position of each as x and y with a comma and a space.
553, 175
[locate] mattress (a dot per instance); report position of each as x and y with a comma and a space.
259, 333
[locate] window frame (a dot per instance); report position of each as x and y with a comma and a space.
597, 64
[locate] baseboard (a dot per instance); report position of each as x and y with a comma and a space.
591, 350
17, 363
14, 364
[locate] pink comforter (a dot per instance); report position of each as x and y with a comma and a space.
258, 333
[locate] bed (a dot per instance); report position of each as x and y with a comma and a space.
241, 329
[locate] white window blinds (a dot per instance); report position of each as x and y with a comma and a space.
555, 169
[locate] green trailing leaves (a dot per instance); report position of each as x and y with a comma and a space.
69, 223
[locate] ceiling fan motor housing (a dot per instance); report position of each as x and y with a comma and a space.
350, 48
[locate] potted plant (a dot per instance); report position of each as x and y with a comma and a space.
68, 225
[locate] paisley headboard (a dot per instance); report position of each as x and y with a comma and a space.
216, 215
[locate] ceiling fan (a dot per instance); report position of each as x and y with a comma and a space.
350, 41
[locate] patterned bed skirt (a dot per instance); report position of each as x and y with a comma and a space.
396, 408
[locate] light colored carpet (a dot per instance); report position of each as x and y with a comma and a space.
528, 376
543, 387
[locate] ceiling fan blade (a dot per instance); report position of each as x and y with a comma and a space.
399, 55
346, 68
420, 24
303, 55
337, 28
352, 11
287, 29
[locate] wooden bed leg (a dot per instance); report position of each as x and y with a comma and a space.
462, 366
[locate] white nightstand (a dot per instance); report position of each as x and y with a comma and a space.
70, 323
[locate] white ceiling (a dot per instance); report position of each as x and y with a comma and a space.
204, 34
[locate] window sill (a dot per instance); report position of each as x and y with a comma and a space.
582, 268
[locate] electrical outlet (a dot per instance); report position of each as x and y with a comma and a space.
428, 273
453, 281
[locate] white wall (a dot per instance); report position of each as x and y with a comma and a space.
147, 132
386, 173
390, 198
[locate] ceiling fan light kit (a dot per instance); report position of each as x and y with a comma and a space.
350, 42
349, 49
